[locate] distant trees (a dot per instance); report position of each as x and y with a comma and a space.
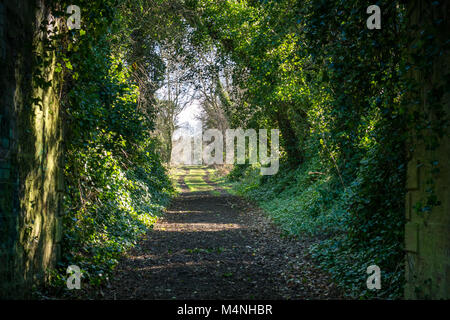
176, 92
336, 91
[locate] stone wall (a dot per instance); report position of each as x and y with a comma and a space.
427, 234
30, 149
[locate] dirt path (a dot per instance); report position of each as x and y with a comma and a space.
216, 247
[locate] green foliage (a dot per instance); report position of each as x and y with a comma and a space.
115, 185
300, 201
337, 92
306, 202
340, 94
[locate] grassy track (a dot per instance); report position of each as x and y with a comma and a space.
198, 179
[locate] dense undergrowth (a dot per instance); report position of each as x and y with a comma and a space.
115, 183
342, 97
311, 202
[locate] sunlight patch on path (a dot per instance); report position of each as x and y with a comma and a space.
195, 181
198, 226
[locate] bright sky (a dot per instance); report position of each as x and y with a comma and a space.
189, 114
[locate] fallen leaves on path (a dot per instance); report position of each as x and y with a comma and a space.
218, 247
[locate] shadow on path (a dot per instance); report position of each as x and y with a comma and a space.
216, 247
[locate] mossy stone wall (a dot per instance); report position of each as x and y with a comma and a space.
427, 234
30, 150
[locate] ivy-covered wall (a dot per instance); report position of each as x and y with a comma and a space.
30, 148
427, 230
427, 234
